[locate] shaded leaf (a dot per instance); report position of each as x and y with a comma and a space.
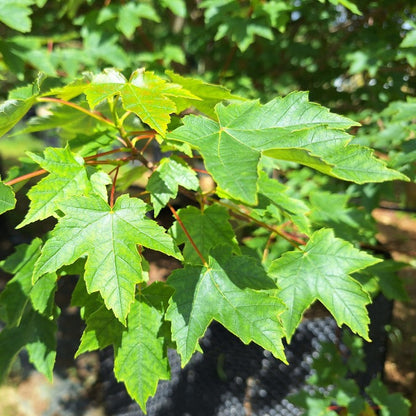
164, 182
275, 193
141, 356
20, 291
7, 199
11, 111
207, 228
234, 291
35, 332
390, 404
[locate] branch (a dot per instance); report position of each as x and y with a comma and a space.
175, 214
77, 107
24, 177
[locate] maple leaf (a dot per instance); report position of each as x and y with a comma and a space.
233, 290
322, 271
20, 291
141, 356
109, 237
68, 177
164, 182
289, 128
390, 404
29, 312
7, 199
272, 192
145, 94
210, 94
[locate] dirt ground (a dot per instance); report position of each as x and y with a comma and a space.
397, 233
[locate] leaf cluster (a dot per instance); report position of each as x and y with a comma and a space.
106, 230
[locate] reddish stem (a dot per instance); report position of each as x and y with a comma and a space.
113, 188
102, 154
24, 177
201, 171
77, 107
147, 144
175, 214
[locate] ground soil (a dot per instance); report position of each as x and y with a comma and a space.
397, 233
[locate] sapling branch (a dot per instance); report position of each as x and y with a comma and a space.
182, 225
292, 239
113, 187
25, 177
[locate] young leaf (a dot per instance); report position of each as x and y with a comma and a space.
145, 94
12, 111
67, 178
164, 182
322, 271
109, 237
102, 330
210, 94
7, 199
207, 229
233, 290
15, 14
141, 356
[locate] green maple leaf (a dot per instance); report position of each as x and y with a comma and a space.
15, 14
332, 211
7, 199
36, 333
164, 182
11, 111
272, 192
20, 290
141, 356
207, 229
210, 94
289, 128
321, 271
28, 311
233, 290
390, 404
145, 94
68, 177
109, 237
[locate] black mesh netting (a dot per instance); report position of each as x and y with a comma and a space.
231, 378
